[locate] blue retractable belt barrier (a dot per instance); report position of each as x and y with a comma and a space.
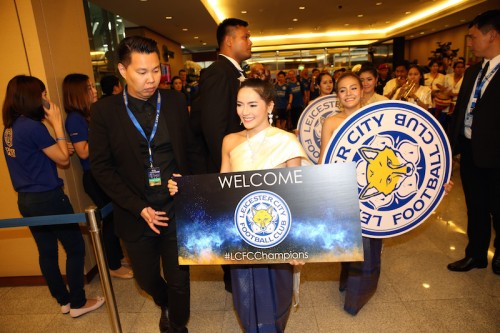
51, 219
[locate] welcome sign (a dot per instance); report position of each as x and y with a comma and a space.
269, 216
403, 159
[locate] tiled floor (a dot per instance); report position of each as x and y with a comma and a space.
416, 293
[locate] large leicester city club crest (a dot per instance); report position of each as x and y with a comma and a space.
311, 121
402, 158
262, 219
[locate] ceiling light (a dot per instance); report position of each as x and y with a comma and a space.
288, 29
426, 285
295, 20
302, 7
143, 0
347, 24
243, 11
360, 15
406, 13
421, 32
184, 29
378, 3
462, 20
168, 17
196, 37
387, 22
204, 43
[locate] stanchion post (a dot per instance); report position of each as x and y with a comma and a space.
94, 222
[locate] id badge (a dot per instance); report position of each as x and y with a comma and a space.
154, 176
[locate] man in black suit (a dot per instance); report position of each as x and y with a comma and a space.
138, 139
213, 113
476, 136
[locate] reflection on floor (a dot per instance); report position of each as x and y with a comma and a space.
416, 293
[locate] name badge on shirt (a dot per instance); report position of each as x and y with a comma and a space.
154, 176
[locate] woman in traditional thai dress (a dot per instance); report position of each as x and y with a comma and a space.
358, 279
262, 294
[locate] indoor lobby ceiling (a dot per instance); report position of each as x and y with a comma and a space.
297, 24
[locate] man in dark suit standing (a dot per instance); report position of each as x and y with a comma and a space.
138, 139
476, 136
213, 113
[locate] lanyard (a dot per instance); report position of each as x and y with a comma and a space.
479, 85
138, 126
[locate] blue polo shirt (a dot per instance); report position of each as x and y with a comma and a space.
281, 96
30, 169
78, 130
294, 89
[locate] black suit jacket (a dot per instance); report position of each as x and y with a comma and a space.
485, 138
213, 112
116, 161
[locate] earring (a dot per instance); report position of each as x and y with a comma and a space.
241, 122
270, 115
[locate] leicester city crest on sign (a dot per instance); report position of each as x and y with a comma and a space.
262, 219
311, 121
402, 158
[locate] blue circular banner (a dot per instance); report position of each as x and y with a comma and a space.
311, 121
403, 159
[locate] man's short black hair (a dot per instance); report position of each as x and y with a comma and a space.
226, 26
487, 21
137, 44
108, 82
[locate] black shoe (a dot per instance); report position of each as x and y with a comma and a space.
466, 264
164, 322
495, 263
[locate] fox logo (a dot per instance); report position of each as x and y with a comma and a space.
262, 218
384, 171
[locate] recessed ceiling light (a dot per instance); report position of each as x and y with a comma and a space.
360, 15
387, 22
184, 29
295, 20
168, 17
290, 28
302, 7
462, 20
446, 25
143, 0
406, 13
421, 32
196, 37
378, 3
347, 24
204, 43
411, 36
243, 11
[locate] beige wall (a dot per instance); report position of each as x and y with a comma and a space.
38, 46
175, 63
420, 48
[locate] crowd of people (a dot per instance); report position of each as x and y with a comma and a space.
134, 140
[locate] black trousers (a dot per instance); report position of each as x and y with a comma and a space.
482, 197
145, 255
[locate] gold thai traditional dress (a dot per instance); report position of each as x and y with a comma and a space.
262, 294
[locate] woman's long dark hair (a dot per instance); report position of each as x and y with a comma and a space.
23, 98
76, 94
